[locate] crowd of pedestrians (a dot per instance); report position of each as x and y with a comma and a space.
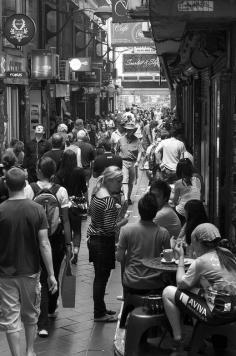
44, 200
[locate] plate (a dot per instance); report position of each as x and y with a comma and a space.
167, 262
187, 261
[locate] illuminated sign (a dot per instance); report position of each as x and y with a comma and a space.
80, 64
19, 29
44, 65
133, 63
129, 34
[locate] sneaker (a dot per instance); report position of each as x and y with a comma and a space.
43, 333
120, 298
106, 319
110, 312
178, 348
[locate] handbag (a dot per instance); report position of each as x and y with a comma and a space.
78, 204
68, 286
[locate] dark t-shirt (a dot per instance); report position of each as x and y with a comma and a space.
87, 153
56, 155
105, 160
75, 183
20, 222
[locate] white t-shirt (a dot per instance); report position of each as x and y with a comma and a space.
172, 151
77, 151
61, 194
184, 193
110, 124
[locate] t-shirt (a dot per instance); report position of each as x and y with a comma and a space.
206, 272
77, 151
20, 222
115, 136
184, 193
61, 194
172, 151
129, 149
75, 184
87, 153
142, 240
167, 218
110, 124
106, 160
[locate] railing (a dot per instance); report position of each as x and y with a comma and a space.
138, 9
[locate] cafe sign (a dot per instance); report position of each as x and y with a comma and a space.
19, 29
134, 63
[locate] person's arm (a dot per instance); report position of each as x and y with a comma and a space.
95, 169
176, 194
191, 278
67, 230
46, 253
121, 247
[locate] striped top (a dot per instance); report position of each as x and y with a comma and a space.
104, 213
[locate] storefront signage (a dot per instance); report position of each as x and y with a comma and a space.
44, 65
80, 64
19, 29
119, 11
129, 34
16, 75
195, 5
140, 63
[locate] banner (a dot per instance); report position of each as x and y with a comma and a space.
140, 63
129, 34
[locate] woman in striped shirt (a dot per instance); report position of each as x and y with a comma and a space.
101, 236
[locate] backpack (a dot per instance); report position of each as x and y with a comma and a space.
48, 199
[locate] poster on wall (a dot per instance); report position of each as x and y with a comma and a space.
133, 63
129, 34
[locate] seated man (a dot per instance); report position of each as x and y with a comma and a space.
139, 241
207, 291
165, 216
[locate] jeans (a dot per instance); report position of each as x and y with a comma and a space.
49, 301
102, 254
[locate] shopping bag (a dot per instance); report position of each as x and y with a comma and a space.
68, 286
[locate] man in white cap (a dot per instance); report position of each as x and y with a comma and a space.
34, 150
129, 149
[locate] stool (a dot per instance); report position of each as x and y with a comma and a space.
202, 330
131, 301
138, 322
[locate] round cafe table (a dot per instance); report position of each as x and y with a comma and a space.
155, 263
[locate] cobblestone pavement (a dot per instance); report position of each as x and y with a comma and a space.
74, 332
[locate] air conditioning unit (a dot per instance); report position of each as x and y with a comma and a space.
64, 68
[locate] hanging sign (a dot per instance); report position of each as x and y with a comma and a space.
133, 63
119, 11
129, 34
196, 5
19, 29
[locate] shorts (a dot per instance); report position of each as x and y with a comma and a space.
196, 306
19, 301
128, 171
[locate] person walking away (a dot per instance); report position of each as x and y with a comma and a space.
138, 241
106, 159
187, 187
165, 216
87, 155
23, 226
79, 126
73, 147
56, 152
207, 291
60, 239
129, 148
72, 177
17, 147
9, 160
172, 150
101, 237
34, 150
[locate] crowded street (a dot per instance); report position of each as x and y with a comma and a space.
117, 177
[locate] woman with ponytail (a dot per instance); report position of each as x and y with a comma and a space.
187, 187
207, 291
101, 236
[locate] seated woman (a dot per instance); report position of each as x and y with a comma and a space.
138, 241
195, 215
208, 290
187, 187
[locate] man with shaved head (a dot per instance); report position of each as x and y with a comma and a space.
57, 149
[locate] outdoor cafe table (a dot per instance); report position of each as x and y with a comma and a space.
155, 263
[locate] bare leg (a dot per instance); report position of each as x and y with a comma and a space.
130, 188
125, 191
172, 311
14, 342
30, 335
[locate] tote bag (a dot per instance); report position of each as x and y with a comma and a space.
68, 287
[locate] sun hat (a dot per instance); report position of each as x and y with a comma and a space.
130, 126
206, 233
